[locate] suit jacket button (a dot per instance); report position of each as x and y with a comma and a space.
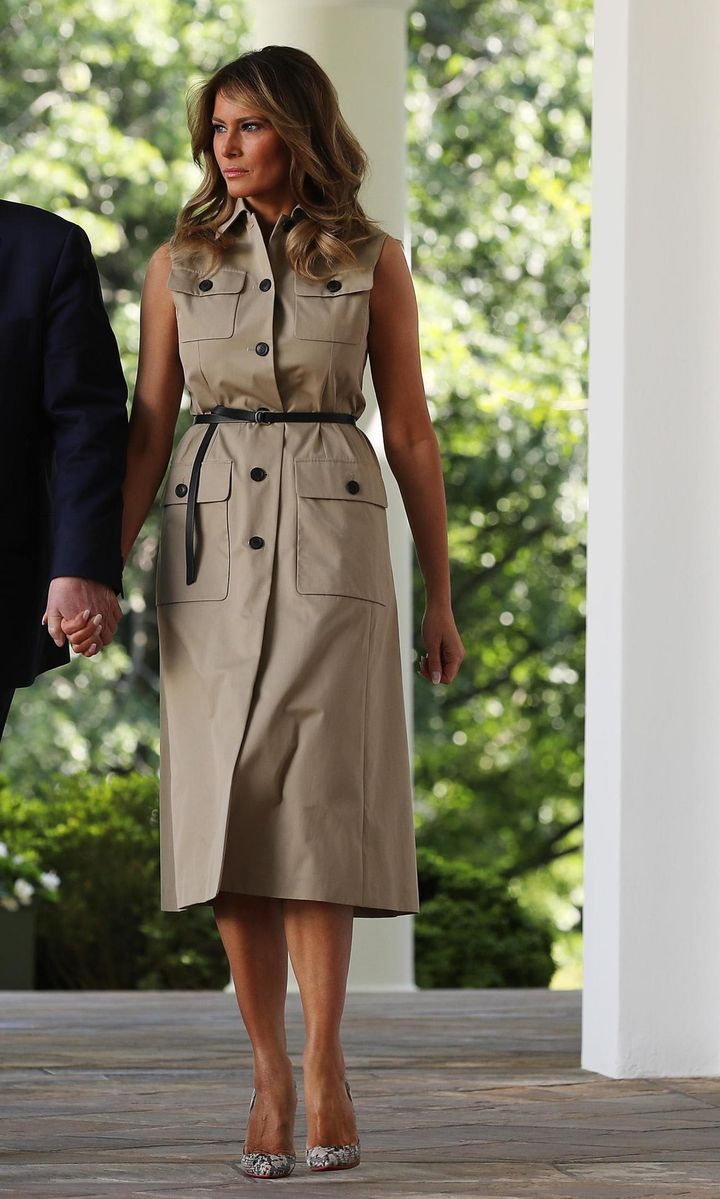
257, 473
334, 285
256, 542
353, 486
262, 348
265, 284
181, 489
205, 284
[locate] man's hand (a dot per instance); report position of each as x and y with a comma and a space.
73, 608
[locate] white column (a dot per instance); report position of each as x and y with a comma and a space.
362, 47
652, 802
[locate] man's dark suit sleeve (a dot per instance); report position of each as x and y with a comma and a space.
85, 398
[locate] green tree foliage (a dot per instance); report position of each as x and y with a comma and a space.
499, 121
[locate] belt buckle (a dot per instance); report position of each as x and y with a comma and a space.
261, 420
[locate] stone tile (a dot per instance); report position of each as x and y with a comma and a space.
469, 1093
659, 1173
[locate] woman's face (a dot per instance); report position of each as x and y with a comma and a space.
250, 153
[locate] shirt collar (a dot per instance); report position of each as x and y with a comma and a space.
241, 206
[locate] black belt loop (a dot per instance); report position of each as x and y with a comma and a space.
260, 416
191, 501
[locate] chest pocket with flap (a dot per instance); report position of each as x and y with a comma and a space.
206, 305
342, 538
334, 309
212, 535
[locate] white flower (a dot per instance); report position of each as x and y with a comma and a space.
3, 850
18, 857
8, 902
24, 890
50, 879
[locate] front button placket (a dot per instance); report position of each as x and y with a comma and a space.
263, 263
261, 505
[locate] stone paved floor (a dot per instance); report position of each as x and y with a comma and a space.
458, 1093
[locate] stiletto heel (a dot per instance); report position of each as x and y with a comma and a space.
261, 1164
334, 1157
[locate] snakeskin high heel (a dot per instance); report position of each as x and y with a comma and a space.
334, 1157
261, 1164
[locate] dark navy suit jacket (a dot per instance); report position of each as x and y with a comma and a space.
63, 431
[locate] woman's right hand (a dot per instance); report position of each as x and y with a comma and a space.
83, 633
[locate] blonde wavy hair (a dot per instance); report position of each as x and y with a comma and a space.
291, 91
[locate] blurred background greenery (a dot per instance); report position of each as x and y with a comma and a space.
498, 108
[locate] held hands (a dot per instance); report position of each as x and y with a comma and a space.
84, 632
445, 650
83, 612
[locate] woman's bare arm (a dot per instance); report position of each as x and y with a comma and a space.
411, 447
156, 399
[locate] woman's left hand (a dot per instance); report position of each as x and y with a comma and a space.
445, 650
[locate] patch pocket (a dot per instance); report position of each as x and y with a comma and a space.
342, 537
206, 305
325, 311
212, 535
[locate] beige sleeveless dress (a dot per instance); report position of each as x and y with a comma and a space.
284, 755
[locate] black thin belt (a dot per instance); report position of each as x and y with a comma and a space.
261, 416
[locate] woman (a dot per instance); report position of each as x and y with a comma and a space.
286, 796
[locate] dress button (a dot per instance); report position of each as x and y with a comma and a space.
334, 285
262, 348
181, 489
353, 486
205, 284
265, 284
256, 542
257, 473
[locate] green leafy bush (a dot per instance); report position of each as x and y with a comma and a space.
106, 930
470, 932
23, 880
